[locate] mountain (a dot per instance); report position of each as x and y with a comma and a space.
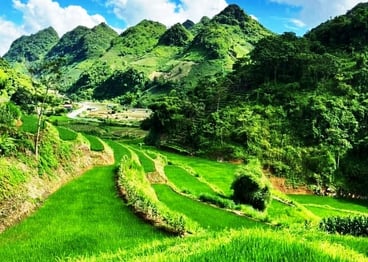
182, 54
32, 48
346, 32
139, 39
83, 43
177, 35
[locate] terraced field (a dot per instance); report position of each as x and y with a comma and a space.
87, 220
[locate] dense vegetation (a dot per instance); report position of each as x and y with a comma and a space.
296, 103
32, 48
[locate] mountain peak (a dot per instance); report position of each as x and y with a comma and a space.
231, 15
188, 24
176, 35
33, 47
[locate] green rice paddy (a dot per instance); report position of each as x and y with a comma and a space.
187, 182
210, 218
86, 220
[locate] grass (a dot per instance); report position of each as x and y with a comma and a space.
185, 181
324, 206
84, 217
207, 216
146, 162
219, 175
87, 221
256, 245
60, 120
29, 124
263, 245
66, 134
95, 143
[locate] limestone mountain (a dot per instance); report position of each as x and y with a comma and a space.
177, 35
231, 33
33, 47
139, 39
184, 53
83, 43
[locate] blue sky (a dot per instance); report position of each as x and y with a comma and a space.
24, 17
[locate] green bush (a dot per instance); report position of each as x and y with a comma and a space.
9, 113
251, 187
7, 145
356, 226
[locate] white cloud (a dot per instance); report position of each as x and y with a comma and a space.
8, 33
297, 22
254, 17
164, 11
314, 12
39, 14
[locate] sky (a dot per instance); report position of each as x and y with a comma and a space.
25, 17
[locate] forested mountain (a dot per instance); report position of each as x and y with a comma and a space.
348, 32
90, 57
32, 48
83, 43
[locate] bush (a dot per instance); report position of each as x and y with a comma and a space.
252, 187
356, 226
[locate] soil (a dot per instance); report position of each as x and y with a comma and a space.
280, 184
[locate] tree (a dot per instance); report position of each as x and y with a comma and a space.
50, 79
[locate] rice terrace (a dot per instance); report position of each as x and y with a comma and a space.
214, 140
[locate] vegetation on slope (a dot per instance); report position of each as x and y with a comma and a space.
347, 32
139, 39
81, 219
32, 48
93, 57
177, 35
293, 104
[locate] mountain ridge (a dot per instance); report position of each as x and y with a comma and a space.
156, 51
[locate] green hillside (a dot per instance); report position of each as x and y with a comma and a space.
32, 48
295, 104
347, 32
90, 58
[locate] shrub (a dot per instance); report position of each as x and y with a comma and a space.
252, 187
7, 145
356, 226
9, 113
